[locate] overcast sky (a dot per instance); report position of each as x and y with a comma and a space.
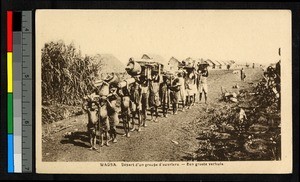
244, 36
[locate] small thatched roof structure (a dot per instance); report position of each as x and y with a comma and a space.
189, 62
173, 64
232, 62
223, 63
210, 62
173, 60
220, 63
109, 63
215, 62
203, 62
155, 58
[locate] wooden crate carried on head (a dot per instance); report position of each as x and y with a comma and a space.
145, 67
150, 67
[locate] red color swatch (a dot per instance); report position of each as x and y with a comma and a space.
9, 31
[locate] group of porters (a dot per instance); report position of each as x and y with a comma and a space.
149, 88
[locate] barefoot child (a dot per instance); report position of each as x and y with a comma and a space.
135, 100
92, 108
112, 113
125, 109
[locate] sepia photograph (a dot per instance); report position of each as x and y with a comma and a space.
163, 91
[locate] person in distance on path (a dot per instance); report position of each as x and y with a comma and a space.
243, 75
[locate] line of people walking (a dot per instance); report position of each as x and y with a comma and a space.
133, 102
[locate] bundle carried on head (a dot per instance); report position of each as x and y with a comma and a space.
133, 68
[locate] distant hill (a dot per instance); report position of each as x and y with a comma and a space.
109, 63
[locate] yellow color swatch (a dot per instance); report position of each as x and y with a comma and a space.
9, 72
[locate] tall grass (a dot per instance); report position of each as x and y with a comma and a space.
66, 75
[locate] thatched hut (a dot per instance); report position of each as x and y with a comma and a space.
174, 64
211, 63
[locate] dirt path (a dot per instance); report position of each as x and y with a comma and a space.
167, 140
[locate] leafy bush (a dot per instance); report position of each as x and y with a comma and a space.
66, 75
225, 137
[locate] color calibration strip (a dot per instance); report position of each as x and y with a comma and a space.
19, 88
10, 136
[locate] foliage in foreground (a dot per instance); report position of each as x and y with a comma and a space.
226, 138
66, 75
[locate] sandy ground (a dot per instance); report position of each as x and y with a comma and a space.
167, 140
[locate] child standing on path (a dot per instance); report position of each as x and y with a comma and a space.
135, 98
113, 117
125, 109
92, 108
154, 100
